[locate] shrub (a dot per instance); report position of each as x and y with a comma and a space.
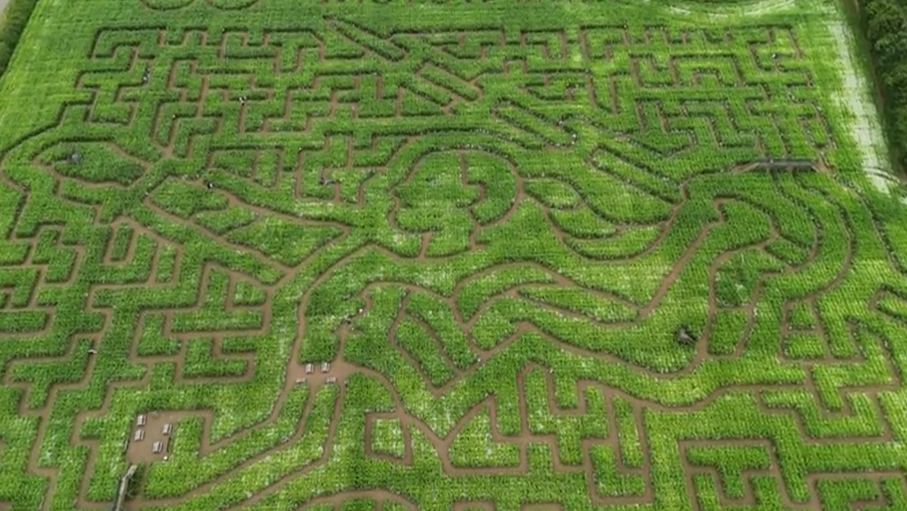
885, 26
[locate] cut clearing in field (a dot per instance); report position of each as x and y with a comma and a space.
286, 254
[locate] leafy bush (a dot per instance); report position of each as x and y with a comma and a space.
885, 26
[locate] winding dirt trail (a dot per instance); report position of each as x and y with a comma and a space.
629, 436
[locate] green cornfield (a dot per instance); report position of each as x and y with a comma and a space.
457, 255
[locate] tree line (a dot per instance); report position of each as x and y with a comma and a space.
884, 23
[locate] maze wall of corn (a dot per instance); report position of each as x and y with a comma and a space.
278, 255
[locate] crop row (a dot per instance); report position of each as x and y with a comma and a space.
728, 446
349, 101
823, 207
539, 247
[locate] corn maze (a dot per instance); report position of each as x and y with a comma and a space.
386, 255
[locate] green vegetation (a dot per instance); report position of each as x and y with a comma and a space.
883, 22
447, 255
13, 19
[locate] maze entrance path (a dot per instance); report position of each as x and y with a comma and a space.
283, 254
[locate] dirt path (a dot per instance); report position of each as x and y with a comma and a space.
628, 436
